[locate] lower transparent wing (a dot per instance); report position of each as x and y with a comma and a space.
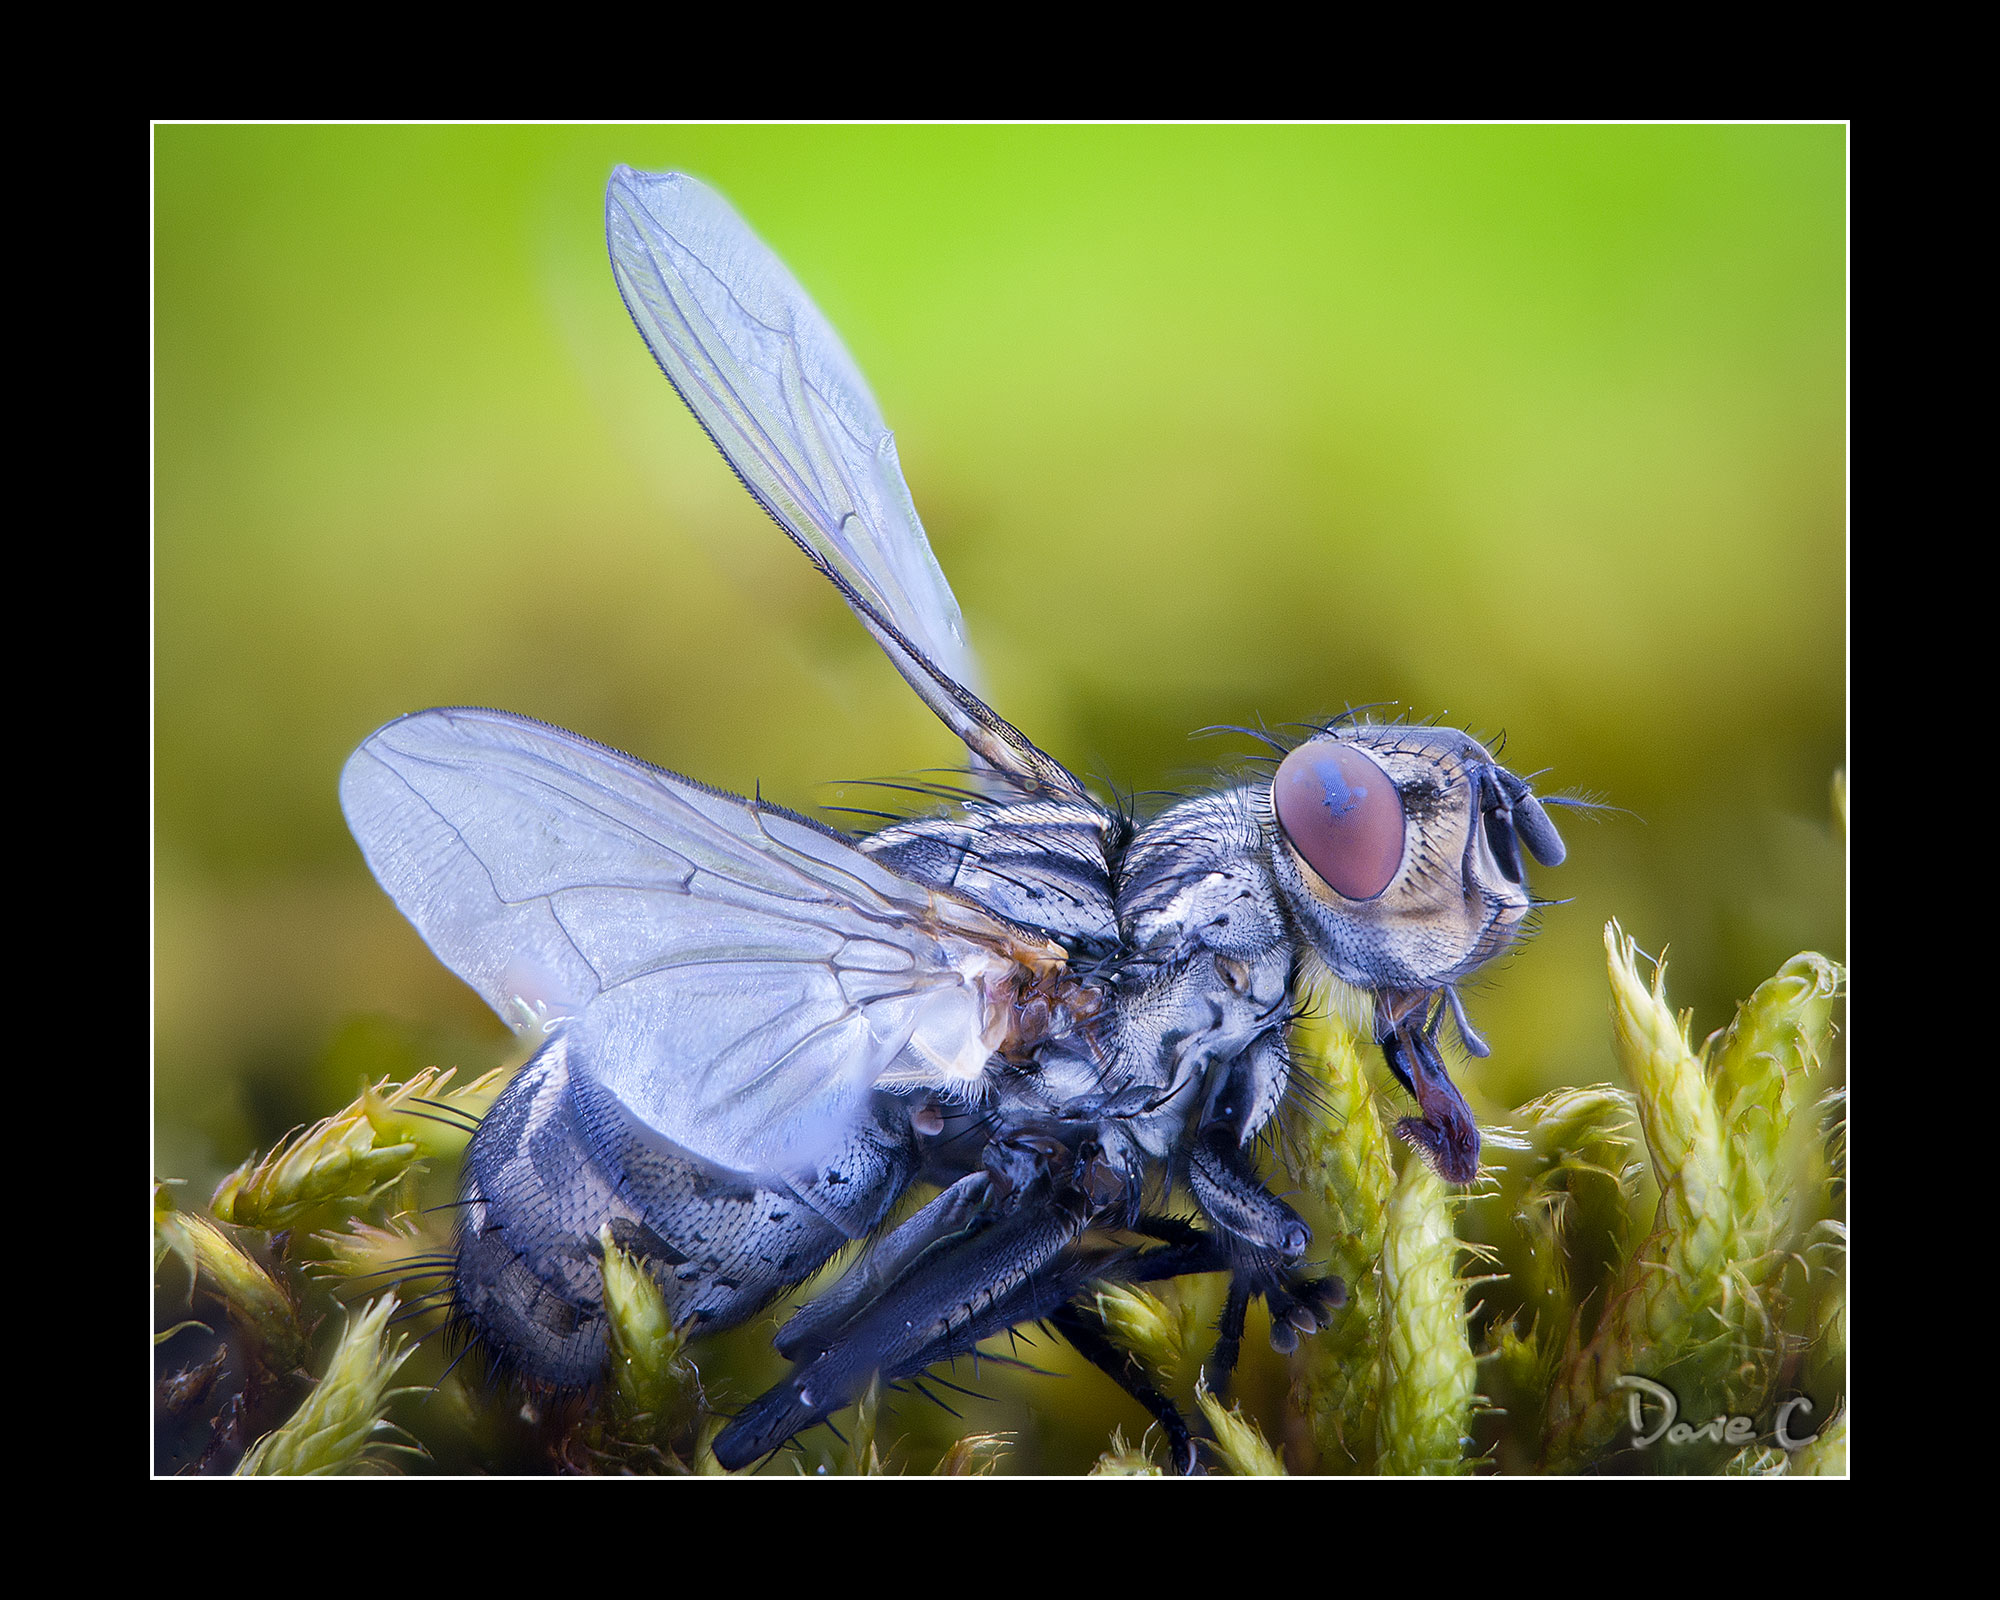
740, 977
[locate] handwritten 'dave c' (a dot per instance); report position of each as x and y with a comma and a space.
1724, 1429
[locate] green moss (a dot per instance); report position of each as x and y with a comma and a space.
1732, 1300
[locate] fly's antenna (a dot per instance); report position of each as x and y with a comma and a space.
1594, 806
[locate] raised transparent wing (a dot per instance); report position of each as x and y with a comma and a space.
769, 379
739, 977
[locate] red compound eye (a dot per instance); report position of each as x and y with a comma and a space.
1343, 815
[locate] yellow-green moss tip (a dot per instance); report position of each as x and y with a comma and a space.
1164, 1332
1238, 1444
1122, 1460
648, 1373
977, 1455
1682, 1129
342, 1426
334, 1162
1581, 1165
169, 1237
1696, 1307
347, 1159
1517, 1359
1760, 1062
1826, 1456
258, 1303
362, 1252
429, 1112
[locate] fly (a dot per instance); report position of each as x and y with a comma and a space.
759, 1034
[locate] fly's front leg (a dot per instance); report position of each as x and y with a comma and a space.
1263, 1238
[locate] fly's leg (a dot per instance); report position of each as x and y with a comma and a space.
1188, 1251
1302, 1306
1221, 1364
963, 1208
1084, 1328
1001, 1248
1262, 1240
990, 1252
1298, 1306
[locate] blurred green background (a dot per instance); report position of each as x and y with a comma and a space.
1535, 430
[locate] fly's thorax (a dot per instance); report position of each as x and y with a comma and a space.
1175, 1028
1197, 879
1036, 863
1382, 843
1206, 967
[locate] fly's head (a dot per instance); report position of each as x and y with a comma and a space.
1398, 852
